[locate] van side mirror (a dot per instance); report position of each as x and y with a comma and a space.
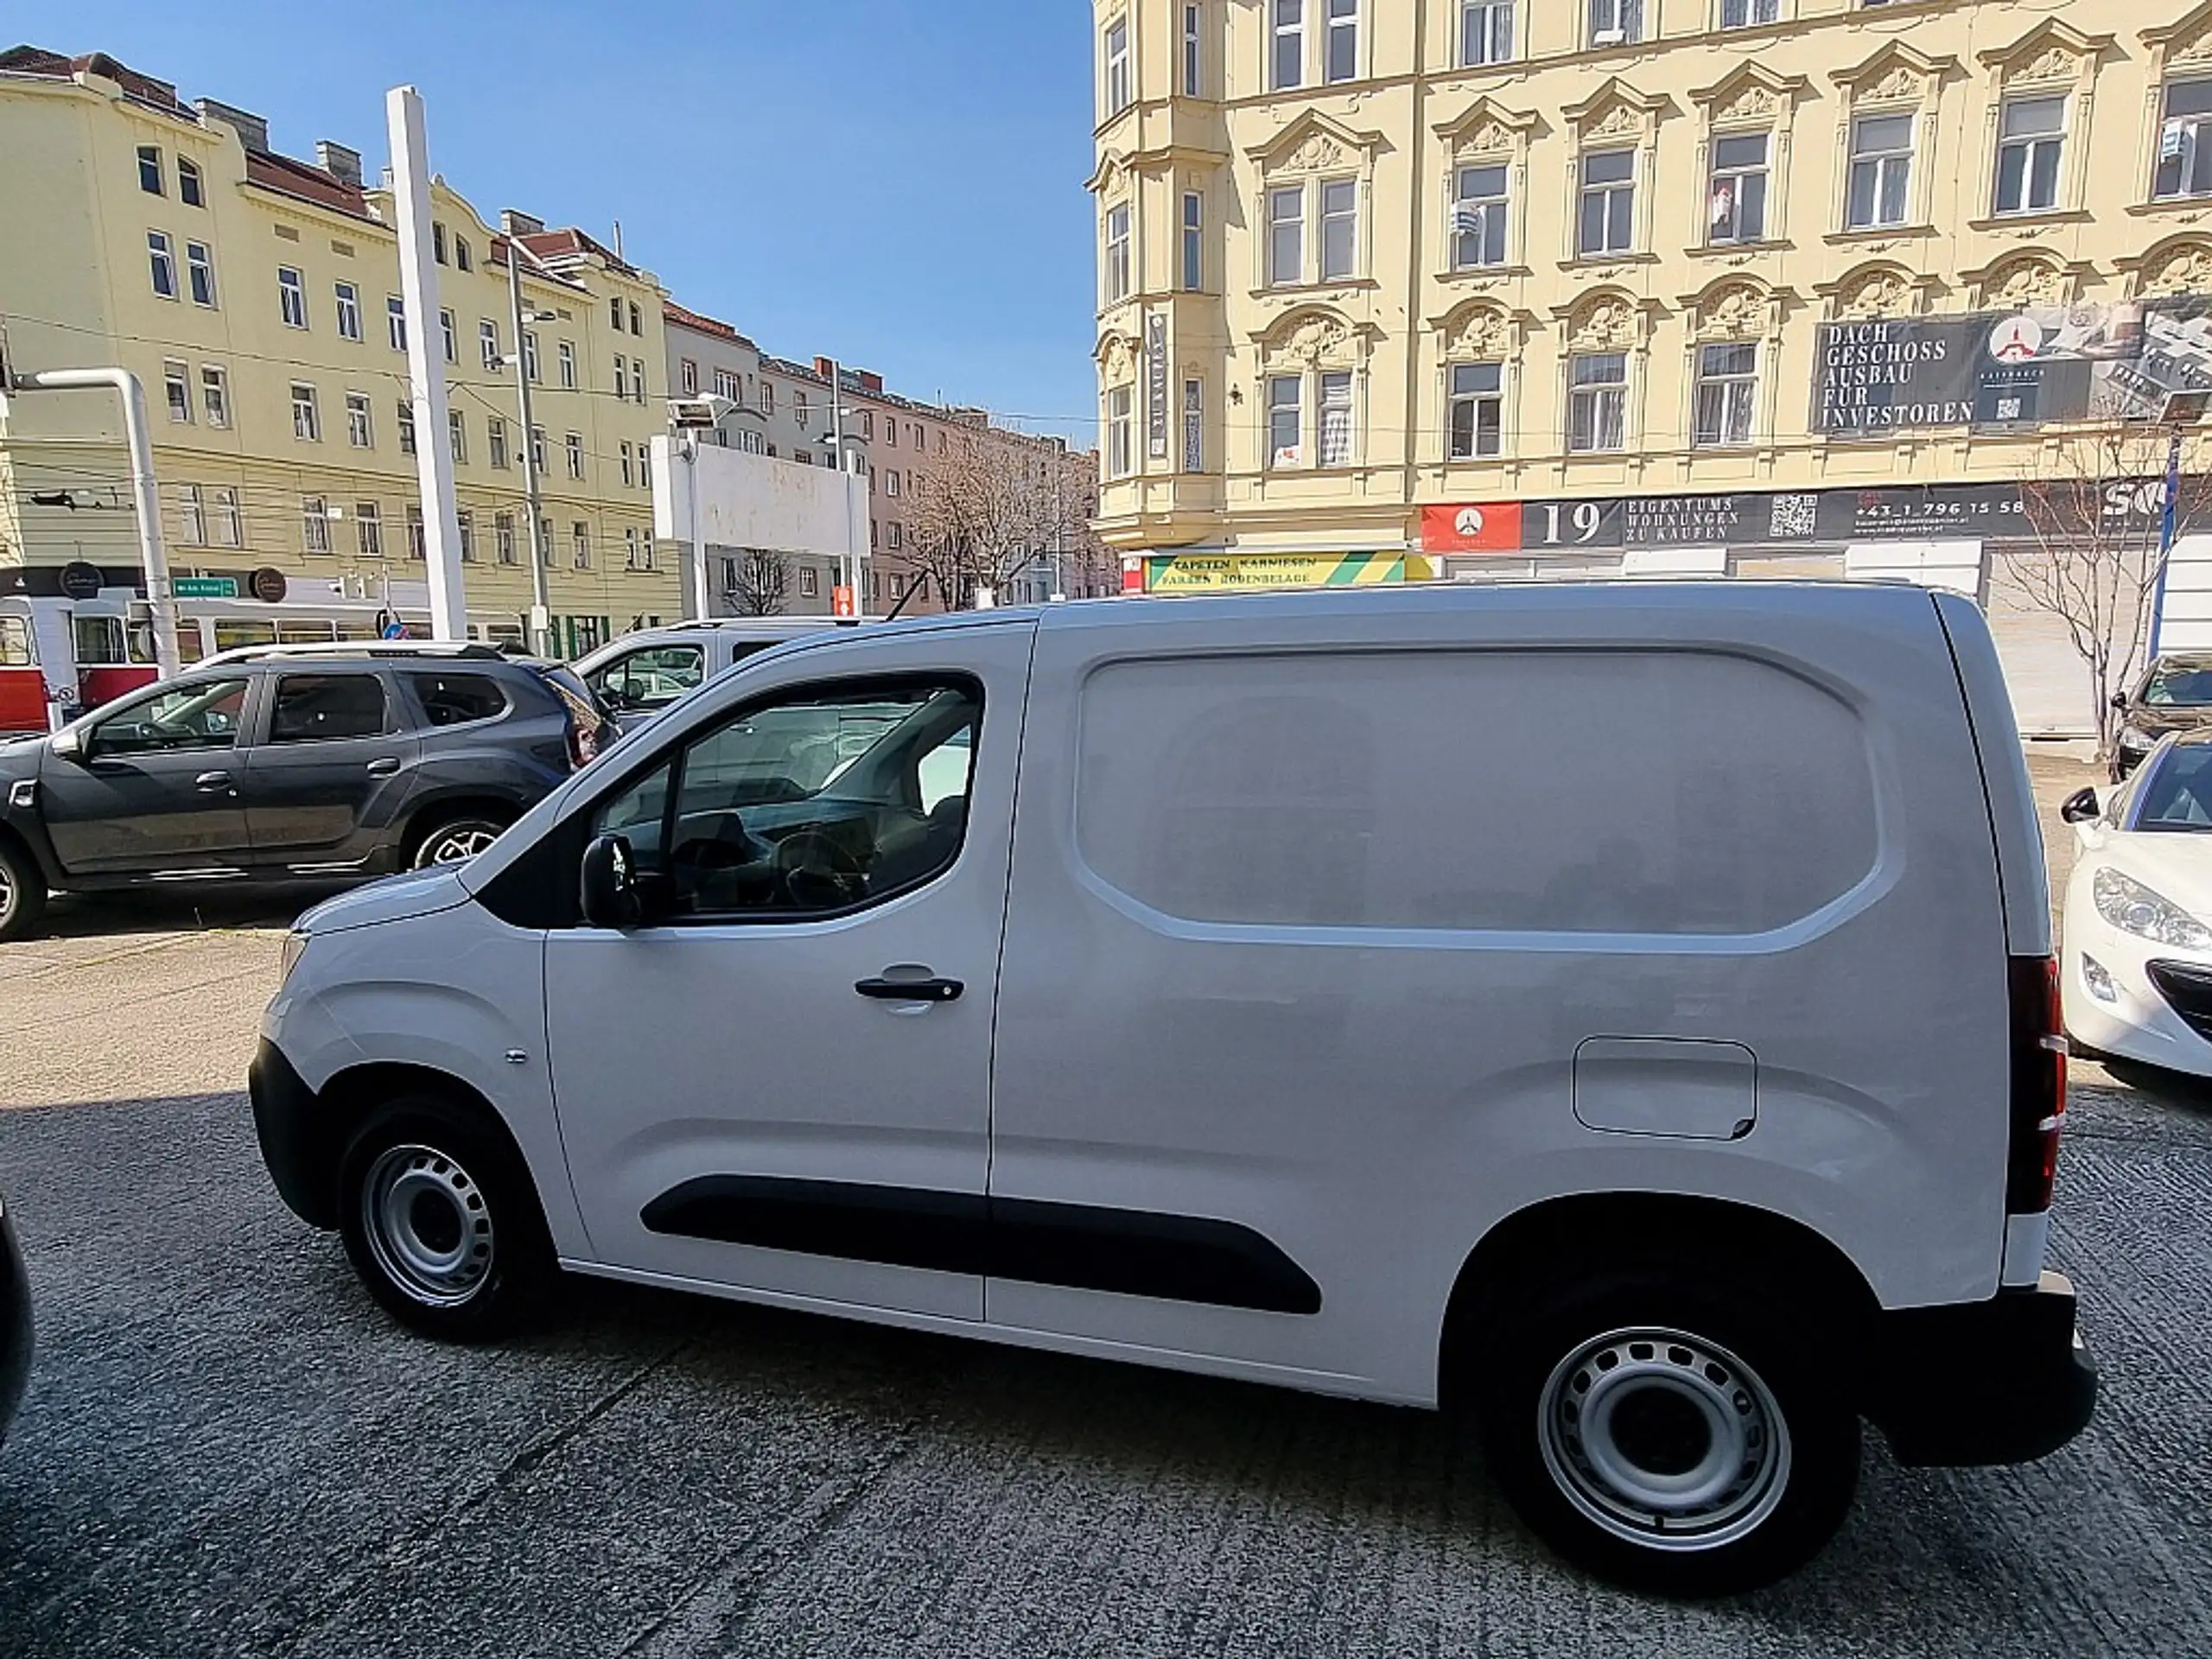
608, 892
2079, 807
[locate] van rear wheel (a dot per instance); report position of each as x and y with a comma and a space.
441, 1224
1670, 1431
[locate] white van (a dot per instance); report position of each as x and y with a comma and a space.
1626, 1008
639, 674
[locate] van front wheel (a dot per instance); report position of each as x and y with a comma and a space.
1668, 1433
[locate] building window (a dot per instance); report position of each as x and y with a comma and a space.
2184, 141
891, 431
1727, 390
566, 355
579, 543
1485, 31
465, 522
215, 394
890, 481
150, 169
1478, 217
306, 421
403, 412
726, 385
1120, 434
1736, 202
163, 262
637, 320
1288, 48
368, 529
687, 376
360, 432
1881, 171
537, 448
229, 528
1117, 66
800, 406
809, 582
199, 273
1608, 220
1341, 49
767, 397
1194, 246
314, 524
629, 470
1596, 415
189, 187
195, 509
621, 377
460, 252
419, 538
1476, 420
1117, 257
614, 312
530, 356
495, 440
545, 543
1335, 418
1193, 54
349, 311
894, 535
457, 434
1339, 228
1286, 420
1743, 14
1286, 235
395, 322
487, 343
630, 553
451, 336
503, 538
176, 390
292, 297
576, 447
1194, 426
2031, 139
638, 378
438, 242
1616, 23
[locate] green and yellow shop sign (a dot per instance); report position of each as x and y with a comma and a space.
1222, 573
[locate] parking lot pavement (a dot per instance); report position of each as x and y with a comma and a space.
226, 1450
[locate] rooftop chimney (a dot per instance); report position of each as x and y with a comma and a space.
515, 222
822, 366
252, 129
869, 379
341, 163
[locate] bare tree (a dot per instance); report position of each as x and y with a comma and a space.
986, 513
2092, 553
759, 581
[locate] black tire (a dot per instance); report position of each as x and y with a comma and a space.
22, 891
444, 841
1668, 1362
441, 1223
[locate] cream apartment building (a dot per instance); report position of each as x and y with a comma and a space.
256, 296
1480, 289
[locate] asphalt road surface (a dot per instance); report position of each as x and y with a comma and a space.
226, 1450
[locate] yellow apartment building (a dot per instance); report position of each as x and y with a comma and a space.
256, 296
1478, 289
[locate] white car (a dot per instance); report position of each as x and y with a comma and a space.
2137, 971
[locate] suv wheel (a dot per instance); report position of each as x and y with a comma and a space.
456, 840
22, 891
1668, 1431
441, 1222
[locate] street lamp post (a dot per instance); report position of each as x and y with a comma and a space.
541, 612
855, 573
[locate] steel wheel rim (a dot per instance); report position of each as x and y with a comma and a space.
459, 844
428, 1225
1664, 1439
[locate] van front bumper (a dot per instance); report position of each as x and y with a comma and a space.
2004, 1381
294, 1141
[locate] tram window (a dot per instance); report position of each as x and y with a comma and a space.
15, 643
99, 641
305, 633
232, 636
190, 647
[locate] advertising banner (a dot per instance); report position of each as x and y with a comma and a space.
1155, 385
1189, 572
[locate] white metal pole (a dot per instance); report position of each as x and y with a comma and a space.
851, 562
426, 369
540, 607
698, 537
153, 558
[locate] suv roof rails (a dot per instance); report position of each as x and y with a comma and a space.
471, 649
692, 622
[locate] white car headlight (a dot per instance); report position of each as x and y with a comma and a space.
2135, 738
295, 945
2133, 908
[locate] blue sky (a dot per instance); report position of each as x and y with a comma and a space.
896, 183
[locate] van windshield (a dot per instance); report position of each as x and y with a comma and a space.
2178, 795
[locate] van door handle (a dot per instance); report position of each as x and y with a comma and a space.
386, 766
911, 990
209, 782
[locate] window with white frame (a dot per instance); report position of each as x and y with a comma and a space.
1727, 393
1286, 44
726, 385
176, 390
645, 466
1735, 208
314, 525
1286, 420
189, 189
894, 535
292, 297
1879, 191
1607, 222
575, 445
1339, 228
1475, 411
464, 521
537, 448
1597, 410
307, 420
1121, 432
1194, 425
545, 543
495, 440
1118, 253
150, 169
368, 529
1335, 408
2185, 159
437, 242
621, 377
809, 582
629, 466
418, 536
199, 273
215, 394
687, 376
1286, 235
638, 378
1746, 14
637, 319
1194, 244
360, 432
614, 312
395, 322
229, 528
1117, 66
530, 356
2030, 143
487, 343
1340, 50
580, 544
1193, 51
565, 356
404, 416
1485, 31
162, 259
1616, 23
630, 553
457, 436
503, 538
1479, 210
194, 510
451, 336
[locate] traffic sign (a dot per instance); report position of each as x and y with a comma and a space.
840, 601
206, 587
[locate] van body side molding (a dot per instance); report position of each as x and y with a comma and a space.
1082, 1247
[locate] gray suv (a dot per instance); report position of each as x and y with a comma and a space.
287, 765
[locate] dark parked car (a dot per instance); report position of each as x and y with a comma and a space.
15, 1322
290, 765
2174, 694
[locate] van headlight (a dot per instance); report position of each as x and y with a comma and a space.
2132, 737
295, 945
2133, 908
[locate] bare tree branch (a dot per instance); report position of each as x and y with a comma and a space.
988, 511
761, 579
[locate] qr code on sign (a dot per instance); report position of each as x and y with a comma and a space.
1792, 516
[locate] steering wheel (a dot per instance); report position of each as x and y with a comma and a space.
818, 873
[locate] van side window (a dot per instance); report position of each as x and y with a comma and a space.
651, 678
819, 804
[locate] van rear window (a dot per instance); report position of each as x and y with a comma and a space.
1568, 791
